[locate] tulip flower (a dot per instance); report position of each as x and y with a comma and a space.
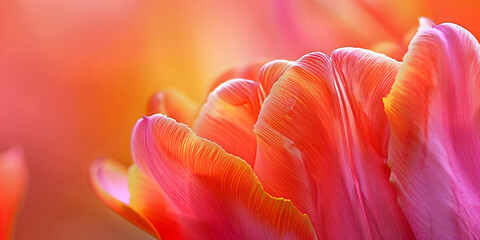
13, 180
75, 66
351, 146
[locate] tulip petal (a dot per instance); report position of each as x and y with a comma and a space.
366, 78
216, 190
316, 148
280, 165
136, 197
270, 73
434, 151
173, 104
148, 199
13, 181
228, 118
232, 109
109, 182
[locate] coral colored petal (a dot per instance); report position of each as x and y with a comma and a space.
108, 179
173, 104
286, 121
228, 118
270, 73
315, 148
216, 190
148, 199
364, 78
13, 183
232, 109
434, 151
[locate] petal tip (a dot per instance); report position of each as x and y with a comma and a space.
426, 22
109, 176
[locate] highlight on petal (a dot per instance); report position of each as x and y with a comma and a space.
320, 133
109, 182
173, 104
13, 183
434, 151
135, 196
216, 190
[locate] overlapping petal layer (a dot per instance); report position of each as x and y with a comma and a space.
217, 194
232, 110
316, 146
228, 118
110, 183
173, 104
13, 183
434, 150
316, 134
134, 195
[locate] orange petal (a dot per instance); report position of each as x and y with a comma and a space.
13, 183
173, 104
316, 148
434, 154
270, 73
218, 191
232, 109
228, 118
148, 199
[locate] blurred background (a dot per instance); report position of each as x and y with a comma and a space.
75, 75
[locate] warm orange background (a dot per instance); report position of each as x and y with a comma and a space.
75, 75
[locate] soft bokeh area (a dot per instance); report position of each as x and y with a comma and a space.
75, 76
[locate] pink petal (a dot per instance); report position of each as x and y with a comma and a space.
110, 183
434, 149
136, 197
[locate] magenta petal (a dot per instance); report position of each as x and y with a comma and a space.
434, 151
